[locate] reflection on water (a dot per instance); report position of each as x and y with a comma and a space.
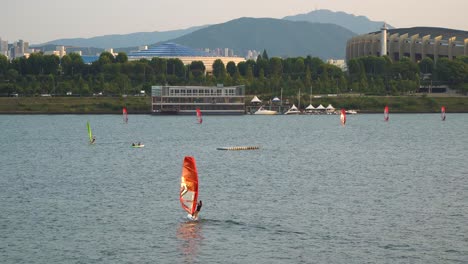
189, 235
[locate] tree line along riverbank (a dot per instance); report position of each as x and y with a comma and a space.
142, 105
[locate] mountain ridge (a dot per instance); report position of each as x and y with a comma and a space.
279, 37
357, 24
125, 40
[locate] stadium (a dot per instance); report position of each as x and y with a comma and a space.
415, 43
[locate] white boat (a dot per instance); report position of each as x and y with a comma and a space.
262, 111
292, 111
351, 112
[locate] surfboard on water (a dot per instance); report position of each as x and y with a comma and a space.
189, 186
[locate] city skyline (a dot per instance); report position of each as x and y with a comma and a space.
47, 21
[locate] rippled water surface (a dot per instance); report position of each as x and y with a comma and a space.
315, 192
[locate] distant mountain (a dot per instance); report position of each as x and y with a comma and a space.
279, 37
121, 41
357, 24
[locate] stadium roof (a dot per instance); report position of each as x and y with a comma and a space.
446, 33
169, 50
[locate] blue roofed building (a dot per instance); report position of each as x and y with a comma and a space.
185, 54
88, 59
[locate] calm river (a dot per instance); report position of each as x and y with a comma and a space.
315, 192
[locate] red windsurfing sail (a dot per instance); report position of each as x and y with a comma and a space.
442, 113
386, 113
343, 116
199, 116
125, 114
189, 185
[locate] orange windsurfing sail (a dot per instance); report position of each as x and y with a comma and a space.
125, 114
199, 116
343, 117
386, 113
442, 113
189, 185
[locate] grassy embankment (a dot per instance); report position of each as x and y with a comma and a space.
73, 105
113, 105
397, 104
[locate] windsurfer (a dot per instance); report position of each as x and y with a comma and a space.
94, 139
199, 206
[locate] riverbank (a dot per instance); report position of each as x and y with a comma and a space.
142, 105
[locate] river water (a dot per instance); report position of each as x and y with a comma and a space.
315, 191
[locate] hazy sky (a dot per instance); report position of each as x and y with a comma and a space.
46, 20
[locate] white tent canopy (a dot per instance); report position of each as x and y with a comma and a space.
320, 107
276, 99
255, 100
330, 107
310, 107
293, 107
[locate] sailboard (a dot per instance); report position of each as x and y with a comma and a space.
199, 116
386, 113
90, 133
343, 117
442, 113
189, 185
125, 115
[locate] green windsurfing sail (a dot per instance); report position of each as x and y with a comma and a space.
90, 133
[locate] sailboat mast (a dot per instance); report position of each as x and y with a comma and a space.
299, 100
310, 97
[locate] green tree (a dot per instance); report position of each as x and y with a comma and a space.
176, 67
426, 65
231, 68
50, 64
121, 57
265, 55
4, 64
219, 71
452, 71
197, 68
276, 67
106, 58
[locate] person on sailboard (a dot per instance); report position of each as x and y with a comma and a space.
94, 139
133, 144
197, 211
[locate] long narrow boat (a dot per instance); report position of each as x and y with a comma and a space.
386, 115
343, 117
189, 186
442, 113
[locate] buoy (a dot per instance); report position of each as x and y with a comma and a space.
239, 148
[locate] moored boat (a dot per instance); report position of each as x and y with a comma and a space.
262, 111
